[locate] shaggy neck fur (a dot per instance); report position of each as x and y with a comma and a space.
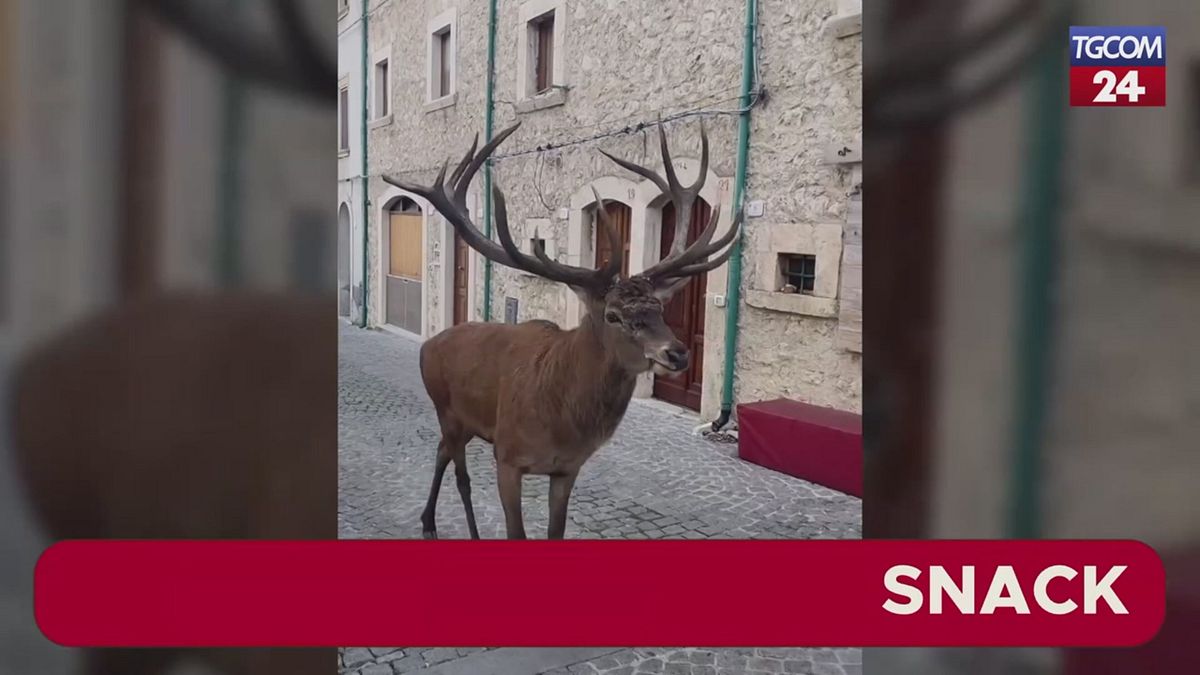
599, 384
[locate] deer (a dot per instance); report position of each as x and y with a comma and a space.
547, 398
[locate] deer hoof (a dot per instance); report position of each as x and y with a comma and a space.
429, 534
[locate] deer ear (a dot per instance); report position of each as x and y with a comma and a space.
665, 290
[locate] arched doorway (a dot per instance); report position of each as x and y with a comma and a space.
405, 246
620, 215
343, 260
684, 314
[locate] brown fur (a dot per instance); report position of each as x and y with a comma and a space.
546, 398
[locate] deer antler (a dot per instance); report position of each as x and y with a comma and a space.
684, 260
451, 201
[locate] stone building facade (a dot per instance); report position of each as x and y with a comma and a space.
349, 164
614, 68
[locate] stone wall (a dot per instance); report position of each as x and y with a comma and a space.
625, 63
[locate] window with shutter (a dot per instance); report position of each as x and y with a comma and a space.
344, 119
543, 29
383, 105
441, 73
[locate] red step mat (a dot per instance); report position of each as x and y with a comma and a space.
821, 445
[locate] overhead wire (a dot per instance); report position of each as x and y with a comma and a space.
643, 124
628, 129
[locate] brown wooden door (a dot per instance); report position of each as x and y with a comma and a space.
619, 215
461, 258
684, 314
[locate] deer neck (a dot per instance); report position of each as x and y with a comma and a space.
600, 384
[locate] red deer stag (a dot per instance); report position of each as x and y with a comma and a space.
547, 398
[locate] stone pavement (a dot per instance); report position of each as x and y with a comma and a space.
448, 661
654, 479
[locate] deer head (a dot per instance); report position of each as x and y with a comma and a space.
627, 314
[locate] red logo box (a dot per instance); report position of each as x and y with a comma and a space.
1119, 86
1118, 65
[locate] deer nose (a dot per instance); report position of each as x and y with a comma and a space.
677, 356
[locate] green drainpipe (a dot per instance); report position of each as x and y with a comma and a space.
228, 253
489, 105
1038, 229
734, 288
366, 199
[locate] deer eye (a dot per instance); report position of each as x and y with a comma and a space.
612, 317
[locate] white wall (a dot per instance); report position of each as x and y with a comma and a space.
350, 67
349, 170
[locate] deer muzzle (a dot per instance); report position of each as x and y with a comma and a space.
672, 357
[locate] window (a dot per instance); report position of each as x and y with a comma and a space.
798, 271
443, 57
530, 239
344, 118
542, 66
382, 94
542, 40
441, 43
444, 63
847, 21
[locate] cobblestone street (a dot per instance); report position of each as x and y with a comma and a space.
654, 479
447, 661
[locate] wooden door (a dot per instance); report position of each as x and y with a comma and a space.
404, 278
684, 314
619, 215
462, 255
405, 241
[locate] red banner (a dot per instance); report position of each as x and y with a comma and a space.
578, 593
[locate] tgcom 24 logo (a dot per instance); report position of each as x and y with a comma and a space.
1118, 66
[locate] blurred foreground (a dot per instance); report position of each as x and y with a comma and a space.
166, 305
1031, 291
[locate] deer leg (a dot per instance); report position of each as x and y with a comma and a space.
428, 524
464, 486
560, 495
508, 479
